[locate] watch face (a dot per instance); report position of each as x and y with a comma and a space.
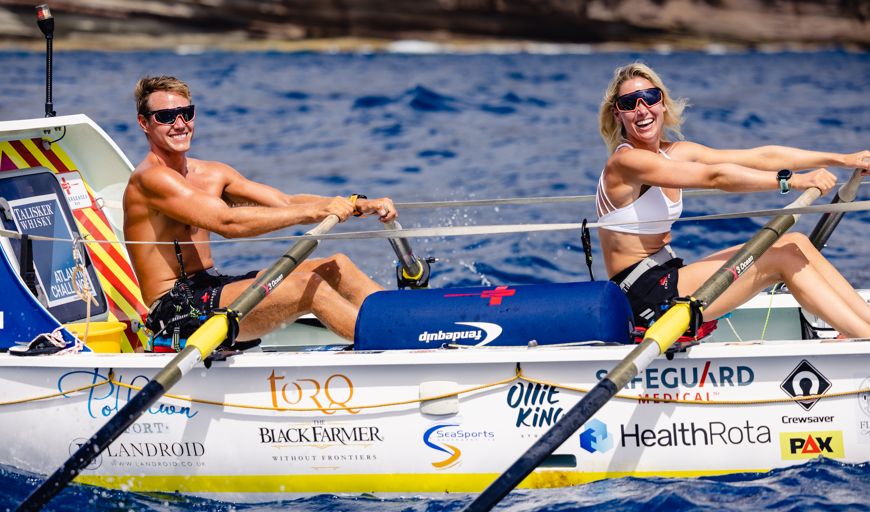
783, 174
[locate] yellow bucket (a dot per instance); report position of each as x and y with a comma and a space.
102, 336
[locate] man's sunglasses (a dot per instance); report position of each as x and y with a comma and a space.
169, 115
628, 102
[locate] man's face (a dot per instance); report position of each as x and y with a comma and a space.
173, 137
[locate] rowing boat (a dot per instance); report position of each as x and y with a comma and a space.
445, 417
440, 398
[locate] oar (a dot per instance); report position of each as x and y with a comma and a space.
199, 345
413, 271
659, 337
828, 222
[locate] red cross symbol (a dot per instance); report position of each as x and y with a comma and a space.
497, 294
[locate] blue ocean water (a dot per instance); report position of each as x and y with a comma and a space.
451, 127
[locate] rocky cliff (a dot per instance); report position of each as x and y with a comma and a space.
149, 22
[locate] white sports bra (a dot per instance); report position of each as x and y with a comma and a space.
652, 204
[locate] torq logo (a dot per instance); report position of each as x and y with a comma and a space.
805, 380
596, 438
492, 332
809, 445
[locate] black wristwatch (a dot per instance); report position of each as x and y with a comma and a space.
782, 177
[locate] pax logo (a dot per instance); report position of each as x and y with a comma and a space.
805, 380
809, 445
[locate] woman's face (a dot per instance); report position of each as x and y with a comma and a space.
644, 124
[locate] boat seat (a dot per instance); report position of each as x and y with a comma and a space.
33, 202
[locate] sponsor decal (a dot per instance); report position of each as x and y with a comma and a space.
485, 330
495, 295
687, 383
863, 398
75, 192
321, 435
147, 454
333, 394
809, 445
42, 215
712, 433
864, 415
107, 399
807, 419
596, 438
444, 438
537, 405
805, 380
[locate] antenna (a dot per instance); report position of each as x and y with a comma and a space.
46, 24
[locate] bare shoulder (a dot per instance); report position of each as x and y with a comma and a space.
211, 167
685, 150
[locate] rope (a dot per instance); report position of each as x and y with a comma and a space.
519, 375
108, 380
494, 229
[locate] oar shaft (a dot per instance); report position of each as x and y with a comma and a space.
200, 344
660, 336
829, 221
410, 263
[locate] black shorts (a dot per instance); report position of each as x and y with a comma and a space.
650, 295
190, 304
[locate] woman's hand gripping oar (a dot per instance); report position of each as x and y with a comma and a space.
659, 337
200, 344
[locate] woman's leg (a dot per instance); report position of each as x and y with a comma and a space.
814, 282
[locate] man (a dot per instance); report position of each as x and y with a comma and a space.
171, 197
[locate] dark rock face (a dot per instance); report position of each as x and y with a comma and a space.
581, 21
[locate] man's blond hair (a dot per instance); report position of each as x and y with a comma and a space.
612, 130
151, 84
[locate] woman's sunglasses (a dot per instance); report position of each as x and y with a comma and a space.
169, 115
628, 102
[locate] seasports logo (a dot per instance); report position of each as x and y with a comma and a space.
596, 438
809, 445
491, 332
437, 437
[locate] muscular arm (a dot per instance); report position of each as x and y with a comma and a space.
773, 158
637, 166
166, 191
242, 191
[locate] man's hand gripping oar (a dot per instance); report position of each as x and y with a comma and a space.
659, 337
200, 344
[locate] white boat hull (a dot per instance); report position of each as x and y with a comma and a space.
341, 422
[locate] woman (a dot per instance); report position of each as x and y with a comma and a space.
644, 178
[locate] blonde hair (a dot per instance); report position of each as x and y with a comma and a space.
151, 84
612, 130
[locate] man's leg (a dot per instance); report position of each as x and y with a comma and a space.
342, 275
299, 293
